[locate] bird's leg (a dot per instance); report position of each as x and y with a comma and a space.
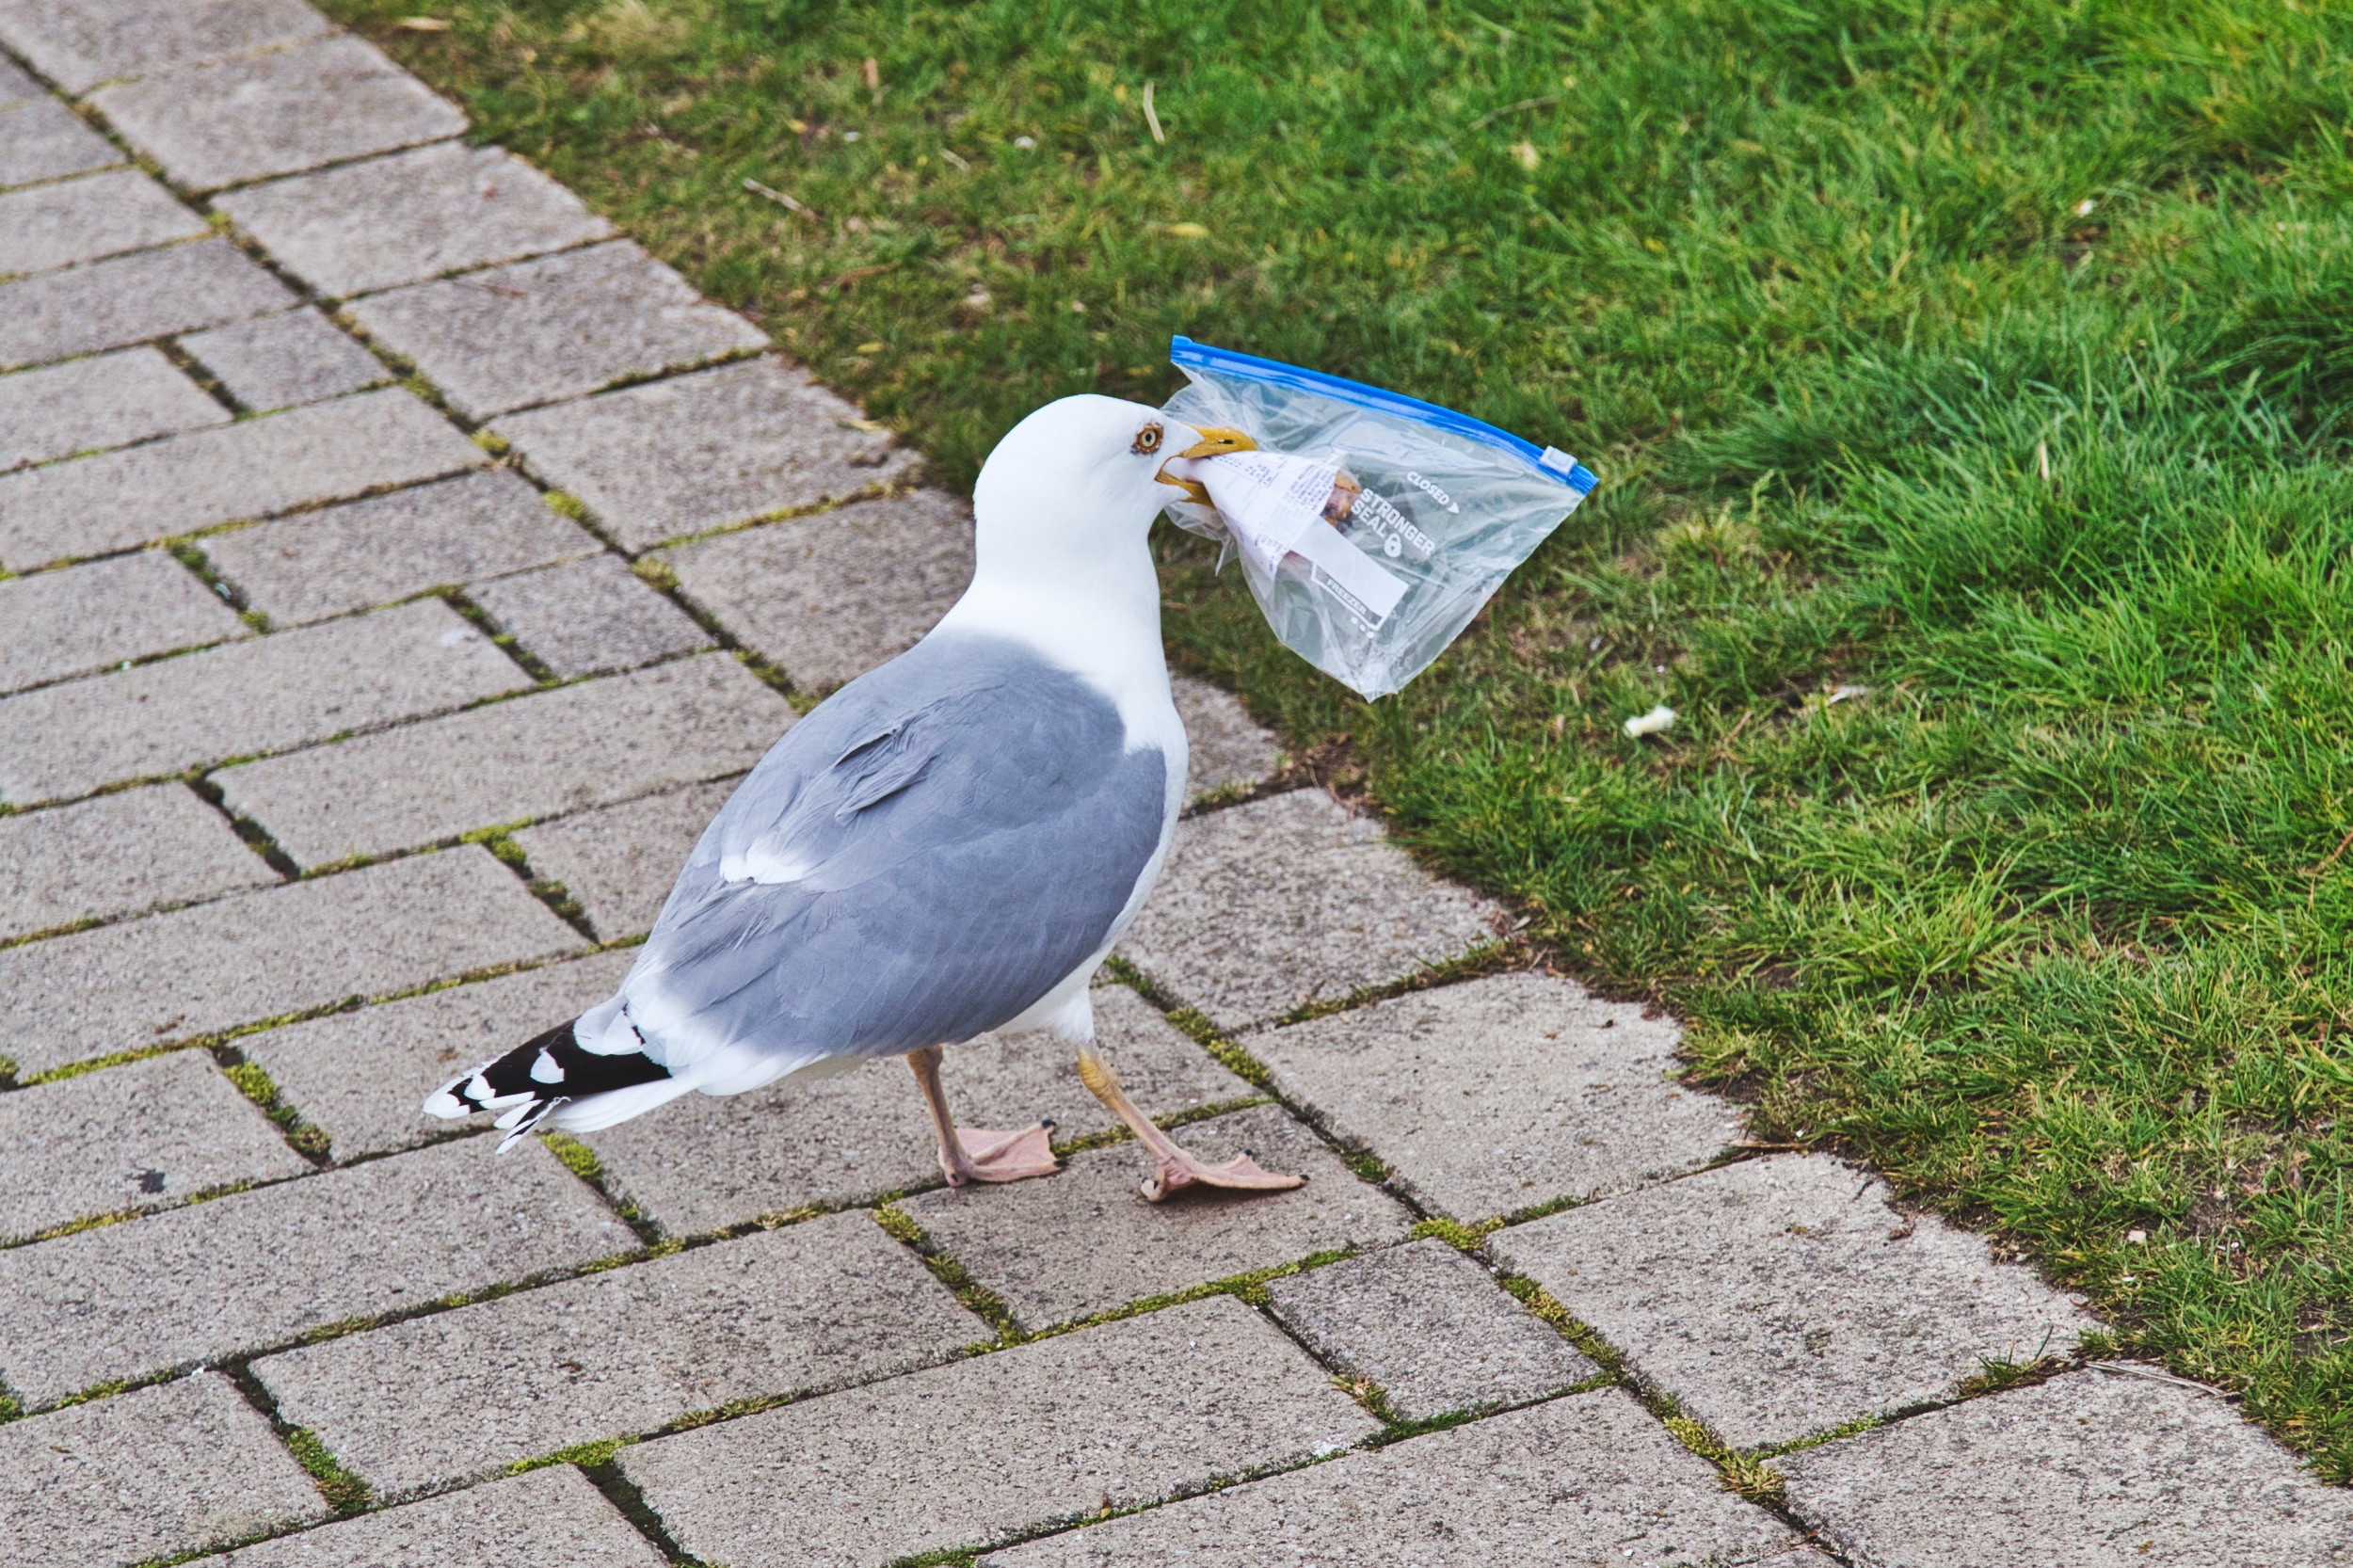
970, 1153
1173, 1166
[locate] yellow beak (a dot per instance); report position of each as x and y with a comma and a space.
1216, 440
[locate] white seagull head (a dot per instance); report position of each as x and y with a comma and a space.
1081, 480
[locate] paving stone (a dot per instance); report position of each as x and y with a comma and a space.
1293, 899
256, 955
970, 1454
588, 616
1579, 1483
552, 1518
80, 44
461, 1395
117, 855
261, 694
278, 361
536, 332
1500, 1094
83, 221
360, 1076
536, 756
257, 1269
317, 564
1426, 1326
411, 217
1086, 1241
91, 404
146, 1135
151, 293
704, 450
86, 617
831, 596
2086, 1470
248, 470
1228, 748
146, 1475
42, 139
278, 113
702, 1162
1780, 1297
618, 861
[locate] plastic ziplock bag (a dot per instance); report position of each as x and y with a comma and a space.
1371, 526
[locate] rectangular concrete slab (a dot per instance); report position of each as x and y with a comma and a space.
42, 139
1500, 1094
100, 613
80, 44
249, 470
619, 861
706, 451
1226, 748
1429, 1328
257, 955
589, 616
277, 113
411, 217
556, 328
253, 1270
553, 1516
145, 1475
131, 298
82, 220
2089, 1469
1592, 1482
261, 694
292, 357
536, 756
89, 405
831, 596
807, 1310
122, 854
1780, 1297
1072, 1245
700, 1162
312, 564
359, 1077
145, 1135
1294, 898
1049, 1431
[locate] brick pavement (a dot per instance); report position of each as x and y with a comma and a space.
346, 738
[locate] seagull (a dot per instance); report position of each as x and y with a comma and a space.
949, 844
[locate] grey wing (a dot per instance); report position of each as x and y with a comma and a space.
917, 862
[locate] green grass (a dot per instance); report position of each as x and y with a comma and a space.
1993, 357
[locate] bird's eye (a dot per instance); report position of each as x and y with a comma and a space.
1147, 440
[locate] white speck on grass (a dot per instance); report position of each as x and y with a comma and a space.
1651, 723
1025, 143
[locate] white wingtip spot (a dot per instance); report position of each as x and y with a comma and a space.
545, 1068
446, 1104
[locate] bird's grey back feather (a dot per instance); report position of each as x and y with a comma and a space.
943, 840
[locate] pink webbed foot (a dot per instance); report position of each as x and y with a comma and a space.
990, 1156
1175, 1169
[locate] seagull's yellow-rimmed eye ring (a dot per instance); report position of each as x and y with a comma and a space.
1147, 440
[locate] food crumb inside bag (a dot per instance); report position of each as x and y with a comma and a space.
1371, 526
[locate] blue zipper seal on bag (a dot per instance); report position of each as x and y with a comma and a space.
1554, 463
